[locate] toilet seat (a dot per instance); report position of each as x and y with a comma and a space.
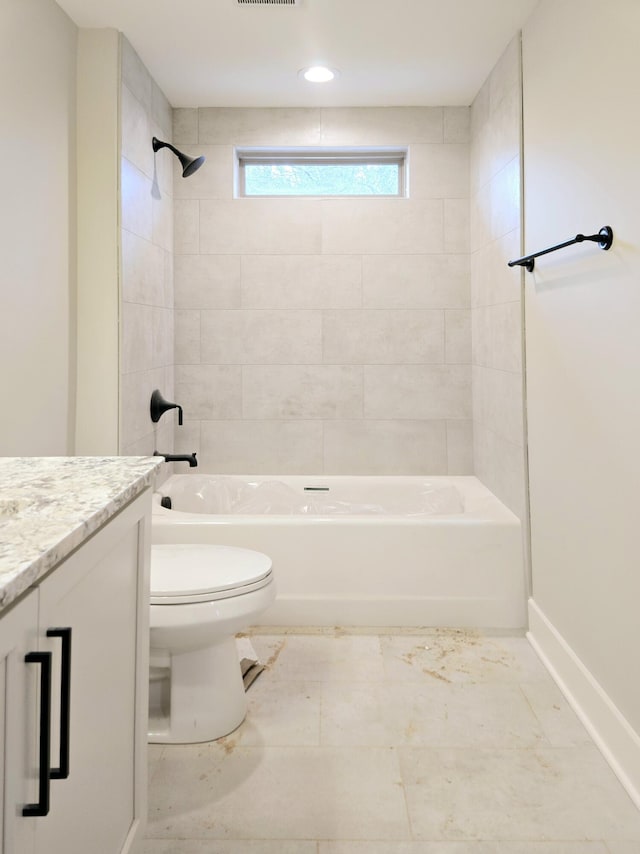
185, 573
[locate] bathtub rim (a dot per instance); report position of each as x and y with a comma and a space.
481, 505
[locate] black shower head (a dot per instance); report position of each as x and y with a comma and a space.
189, 164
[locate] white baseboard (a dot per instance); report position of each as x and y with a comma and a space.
617, 740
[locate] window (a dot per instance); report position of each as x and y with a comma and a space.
321, 172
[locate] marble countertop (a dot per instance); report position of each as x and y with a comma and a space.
50, 505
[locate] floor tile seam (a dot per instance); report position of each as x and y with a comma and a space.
404, 798
220, 753
277, 839
328, 681
535, 749
541, 725
439, 839
259, 687
416, 679
233, 839
419, 745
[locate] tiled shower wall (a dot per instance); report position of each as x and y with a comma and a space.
325, 335
498, 429
146, 312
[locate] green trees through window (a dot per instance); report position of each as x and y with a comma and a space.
329, 174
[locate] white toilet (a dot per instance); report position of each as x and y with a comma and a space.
201, 596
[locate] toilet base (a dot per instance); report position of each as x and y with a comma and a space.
206, 695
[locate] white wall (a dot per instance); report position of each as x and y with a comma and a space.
37, 227
582, 171
97, 425
325, 335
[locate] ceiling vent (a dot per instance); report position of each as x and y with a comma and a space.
269, 2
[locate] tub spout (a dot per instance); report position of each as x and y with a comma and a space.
179, 458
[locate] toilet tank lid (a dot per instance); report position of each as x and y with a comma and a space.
189, 569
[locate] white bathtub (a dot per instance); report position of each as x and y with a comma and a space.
391, 563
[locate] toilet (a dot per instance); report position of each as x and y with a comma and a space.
201, 596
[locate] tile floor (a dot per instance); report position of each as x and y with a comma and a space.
444, 743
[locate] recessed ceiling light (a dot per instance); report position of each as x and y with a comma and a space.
318, 74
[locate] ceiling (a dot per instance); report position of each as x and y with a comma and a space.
388, 52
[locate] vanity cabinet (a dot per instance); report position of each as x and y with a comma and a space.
94, 604
18, 724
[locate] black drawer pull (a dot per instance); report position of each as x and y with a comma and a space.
62, 771
44, 660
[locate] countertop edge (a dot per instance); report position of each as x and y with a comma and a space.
28, 573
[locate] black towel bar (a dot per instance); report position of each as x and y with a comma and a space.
604, 238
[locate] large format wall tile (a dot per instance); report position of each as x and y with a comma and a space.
136, 133
309, 391
310, 305
270, 126
440, 171
492, 280
301, 281
497, 402
417, 391
261, 337
385, 447
456, 225
415, 281
137, 202
261, 447
161, 112
185, 125
135, 76
162, 223
457, 121
136, 338
187, 336
499, 464
383, 337
142, 270
209, 392
146, 274
260, 226
207, 281
390, 226
496, 321
213, 180
399, 126
457, 337
497, 336
460, 446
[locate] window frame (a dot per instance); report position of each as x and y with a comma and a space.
334, 155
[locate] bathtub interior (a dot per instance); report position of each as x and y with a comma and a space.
333, 496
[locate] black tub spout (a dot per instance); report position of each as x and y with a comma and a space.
179, 458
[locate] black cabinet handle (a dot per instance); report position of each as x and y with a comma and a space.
44, 660
62, 771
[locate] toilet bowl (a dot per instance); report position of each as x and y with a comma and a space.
201, 596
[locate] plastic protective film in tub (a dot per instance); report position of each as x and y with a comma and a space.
227, 495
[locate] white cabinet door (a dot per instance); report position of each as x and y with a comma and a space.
96, 594
19, 720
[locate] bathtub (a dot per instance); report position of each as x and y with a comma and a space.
362, 551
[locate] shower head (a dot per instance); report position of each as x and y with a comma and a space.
189, 164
